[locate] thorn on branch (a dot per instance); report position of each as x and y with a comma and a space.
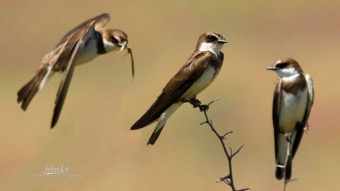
244, 189
231, 151
203, 122
213, 101
223, 137
290, 180
223, 179
238, 150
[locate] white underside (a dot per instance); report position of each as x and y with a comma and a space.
282, 150
87, 53
292, 110
166, 114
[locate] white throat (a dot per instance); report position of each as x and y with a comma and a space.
109, 46
211, 47
288, 73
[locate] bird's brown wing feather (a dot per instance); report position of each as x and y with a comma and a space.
278, 136
63, 88
101, 21
300, 126
70, 40
72, 43
276, 114
310, 98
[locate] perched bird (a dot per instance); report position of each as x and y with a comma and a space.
293, 100
81, 45
194, 76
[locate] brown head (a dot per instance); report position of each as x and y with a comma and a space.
210, 41
114, 40
286, 68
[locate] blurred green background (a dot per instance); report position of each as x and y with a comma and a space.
93, 138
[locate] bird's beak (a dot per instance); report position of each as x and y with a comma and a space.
271, 68
222, 41
122, 45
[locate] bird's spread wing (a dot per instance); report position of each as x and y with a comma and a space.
71, 44
64, 85
100, 20
175, 88
70, 40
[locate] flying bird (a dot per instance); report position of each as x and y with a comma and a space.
193, 77
81, 45
292, 104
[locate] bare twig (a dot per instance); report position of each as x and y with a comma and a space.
229, 180
286, 182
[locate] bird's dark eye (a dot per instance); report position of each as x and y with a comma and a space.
211, 38
114, 40
282, 65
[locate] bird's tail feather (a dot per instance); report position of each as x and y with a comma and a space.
162, 120
155, 135
28, 91
279, 172
288, 168
284, 172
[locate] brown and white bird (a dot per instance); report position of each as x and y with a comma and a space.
81, 45
197, 73
293, 100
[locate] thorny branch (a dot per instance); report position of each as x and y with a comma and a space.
229, 180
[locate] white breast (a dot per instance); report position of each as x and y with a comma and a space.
293, 109
203, 82
89, 52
